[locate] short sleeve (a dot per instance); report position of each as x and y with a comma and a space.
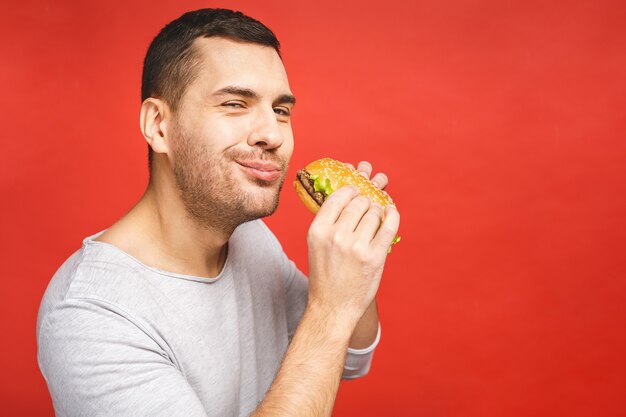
359, 361
98, 362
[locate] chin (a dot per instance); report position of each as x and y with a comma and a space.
263, 200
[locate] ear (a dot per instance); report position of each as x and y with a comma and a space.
153, 123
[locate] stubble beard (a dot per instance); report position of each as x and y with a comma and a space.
211, 194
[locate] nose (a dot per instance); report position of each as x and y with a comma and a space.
266, 132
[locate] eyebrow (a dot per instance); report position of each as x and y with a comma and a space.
285, 99
249, 93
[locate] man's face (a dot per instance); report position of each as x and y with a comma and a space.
231, 137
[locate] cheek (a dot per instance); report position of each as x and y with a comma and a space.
288, 149
288, 142
224, 132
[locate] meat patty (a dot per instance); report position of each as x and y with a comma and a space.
305, 179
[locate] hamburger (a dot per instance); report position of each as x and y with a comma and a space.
321, 178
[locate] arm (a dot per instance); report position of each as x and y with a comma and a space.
308, 379
347, 251
366, 329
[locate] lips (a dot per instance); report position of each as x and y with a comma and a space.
263, 170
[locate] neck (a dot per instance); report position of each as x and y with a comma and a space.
160, 233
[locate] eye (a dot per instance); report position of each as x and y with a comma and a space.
282, 111
234, 104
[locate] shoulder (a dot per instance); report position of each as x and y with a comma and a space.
60, 283
96, 271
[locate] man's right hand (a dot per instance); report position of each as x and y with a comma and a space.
347, 250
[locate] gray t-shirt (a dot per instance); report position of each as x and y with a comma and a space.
119, 338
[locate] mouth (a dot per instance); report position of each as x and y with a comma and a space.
262, 170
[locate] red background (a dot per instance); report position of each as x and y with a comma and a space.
500, 124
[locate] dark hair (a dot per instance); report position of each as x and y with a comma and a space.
171, 62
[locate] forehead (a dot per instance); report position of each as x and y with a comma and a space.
224, 62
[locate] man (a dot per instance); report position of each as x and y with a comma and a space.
187, 306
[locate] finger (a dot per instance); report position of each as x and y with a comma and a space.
380, 180
370, 222
353, 213
334, 205
388, 230
365, 169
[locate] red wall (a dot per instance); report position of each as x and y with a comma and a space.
500, 124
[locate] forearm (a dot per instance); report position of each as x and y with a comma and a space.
309, 376
367, 328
